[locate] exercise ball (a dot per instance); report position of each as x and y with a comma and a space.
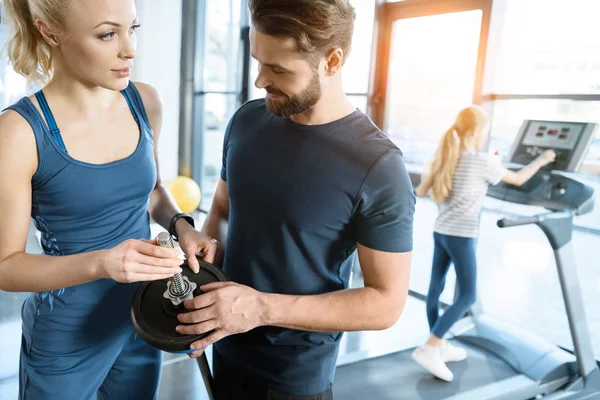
186, 193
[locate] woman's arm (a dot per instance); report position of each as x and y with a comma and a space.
162, 205
523, 175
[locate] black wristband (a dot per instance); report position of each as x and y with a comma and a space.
174, 220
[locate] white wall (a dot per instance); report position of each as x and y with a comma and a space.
157, 63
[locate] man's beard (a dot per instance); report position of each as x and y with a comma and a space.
286, 105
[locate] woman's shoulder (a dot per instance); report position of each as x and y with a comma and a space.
13, 122
17, 141
151, 101
150, 97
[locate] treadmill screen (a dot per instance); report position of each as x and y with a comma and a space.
569, 140
554, 135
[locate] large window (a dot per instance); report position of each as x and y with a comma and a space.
549, 47
547, 66
357, 70
220, 65
430, 62
430, 79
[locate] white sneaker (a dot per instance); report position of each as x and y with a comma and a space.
452, 353
430, 358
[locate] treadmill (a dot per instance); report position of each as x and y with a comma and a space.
507, 362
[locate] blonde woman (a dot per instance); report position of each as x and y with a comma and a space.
79, 157
458, 178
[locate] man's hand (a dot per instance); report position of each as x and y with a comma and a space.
194, 243
226, 308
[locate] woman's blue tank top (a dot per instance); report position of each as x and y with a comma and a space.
80, 207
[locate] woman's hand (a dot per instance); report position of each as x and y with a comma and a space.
195, 243
140, 260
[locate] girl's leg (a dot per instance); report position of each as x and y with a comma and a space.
462, 252
433, 355
437, 282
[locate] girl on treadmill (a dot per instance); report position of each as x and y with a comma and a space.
458, 178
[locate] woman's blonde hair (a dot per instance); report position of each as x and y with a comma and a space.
28, 52
470, 121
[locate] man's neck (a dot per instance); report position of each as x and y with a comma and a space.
331, 107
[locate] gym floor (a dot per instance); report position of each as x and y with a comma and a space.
517, 282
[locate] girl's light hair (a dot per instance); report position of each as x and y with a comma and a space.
27, 50
470, 122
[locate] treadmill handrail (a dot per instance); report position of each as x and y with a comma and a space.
557, 226
535, 219
508, 222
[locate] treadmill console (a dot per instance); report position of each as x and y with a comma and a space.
548, 188
570, 141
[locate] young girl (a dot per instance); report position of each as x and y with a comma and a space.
458, 178
79, 157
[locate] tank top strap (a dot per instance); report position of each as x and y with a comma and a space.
136, 105
52, 127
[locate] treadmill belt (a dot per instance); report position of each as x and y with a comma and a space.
397, 376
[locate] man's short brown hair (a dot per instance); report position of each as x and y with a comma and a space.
317, 26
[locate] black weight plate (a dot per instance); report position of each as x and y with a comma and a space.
155, 318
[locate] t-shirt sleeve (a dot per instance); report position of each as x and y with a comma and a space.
495, 170
386, 206
226, 147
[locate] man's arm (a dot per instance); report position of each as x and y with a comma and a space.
377, 305
229, 308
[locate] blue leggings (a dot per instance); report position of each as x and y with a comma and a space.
461, 252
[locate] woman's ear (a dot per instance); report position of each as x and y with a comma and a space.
49, 36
